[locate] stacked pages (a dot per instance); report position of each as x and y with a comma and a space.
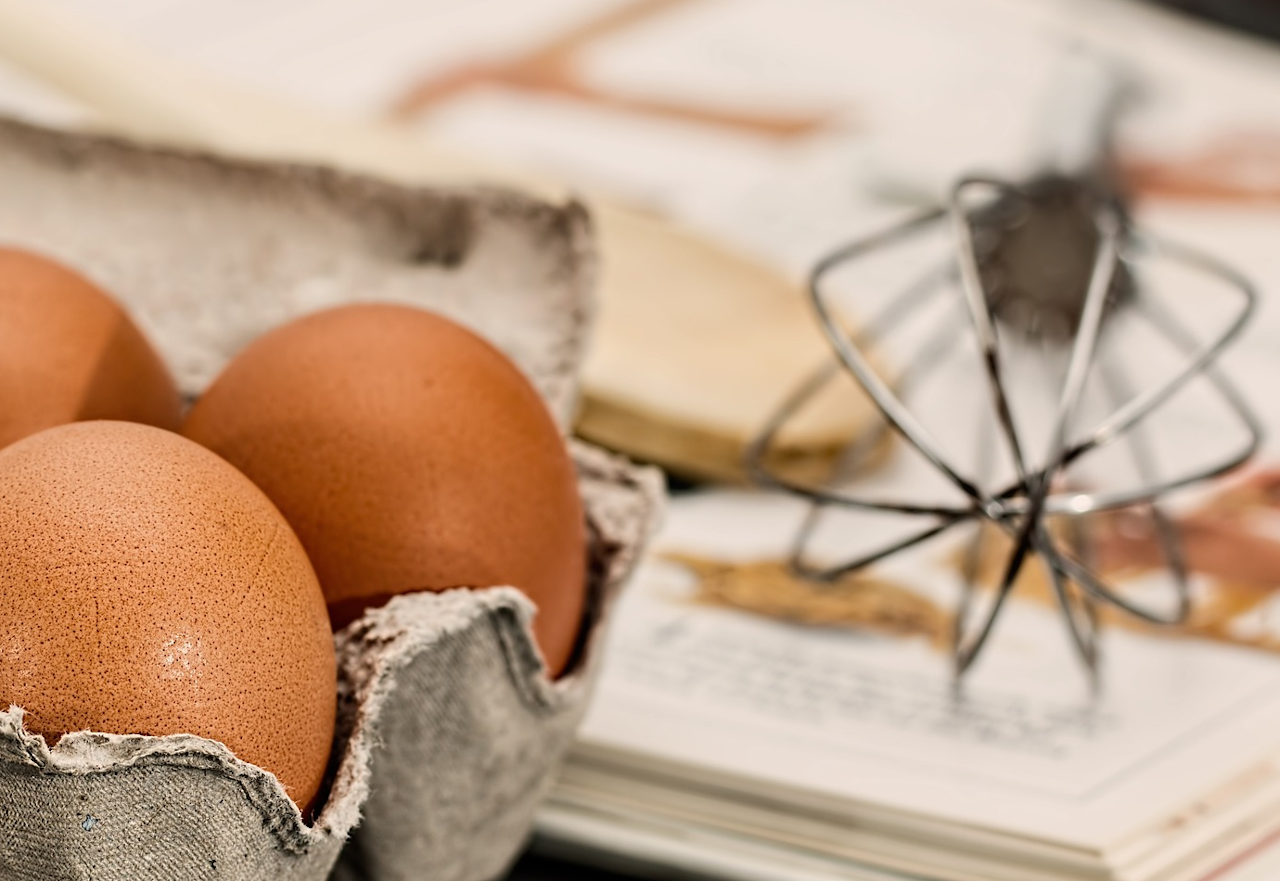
751, 748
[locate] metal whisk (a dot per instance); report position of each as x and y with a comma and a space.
1041, 266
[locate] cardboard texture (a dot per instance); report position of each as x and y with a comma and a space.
449, 731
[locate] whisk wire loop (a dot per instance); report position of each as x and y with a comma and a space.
1024, 509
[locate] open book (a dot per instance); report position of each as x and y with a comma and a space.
747, 745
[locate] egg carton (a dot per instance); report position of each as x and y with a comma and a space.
449, 730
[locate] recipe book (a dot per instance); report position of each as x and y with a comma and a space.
763, 749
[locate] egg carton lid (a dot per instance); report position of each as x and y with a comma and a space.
209, 252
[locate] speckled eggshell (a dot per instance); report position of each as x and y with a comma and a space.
147, 587
68, 352
408, 454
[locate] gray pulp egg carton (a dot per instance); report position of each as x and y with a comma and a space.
449, 731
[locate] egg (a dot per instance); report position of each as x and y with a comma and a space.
408, 454
147, 587
68, 352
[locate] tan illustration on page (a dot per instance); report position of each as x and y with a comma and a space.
1239, 564
1243, 167
856, 601
552, 69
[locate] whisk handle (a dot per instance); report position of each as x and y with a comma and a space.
1087, 95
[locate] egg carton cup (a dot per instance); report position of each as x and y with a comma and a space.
449, 731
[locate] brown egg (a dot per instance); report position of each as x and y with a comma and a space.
147, 587
409, 454
68, 352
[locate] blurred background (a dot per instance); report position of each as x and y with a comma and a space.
759, 133
725, 144
775, 125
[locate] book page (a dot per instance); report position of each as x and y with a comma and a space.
873, 719
22, 97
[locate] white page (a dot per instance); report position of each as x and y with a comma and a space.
1261, 864
26, 99
871, 719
